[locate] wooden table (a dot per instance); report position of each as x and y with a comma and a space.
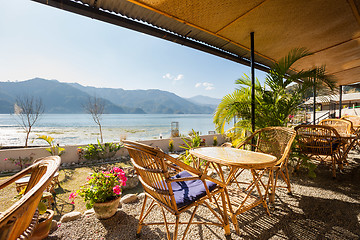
239, 199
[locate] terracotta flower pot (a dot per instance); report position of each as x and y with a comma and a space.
42, 229
107, 209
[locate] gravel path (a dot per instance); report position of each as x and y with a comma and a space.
320, 208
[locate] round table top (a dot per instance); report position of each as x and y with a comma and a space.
234, 157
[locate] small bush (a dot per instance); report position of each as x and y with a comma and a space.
99, 151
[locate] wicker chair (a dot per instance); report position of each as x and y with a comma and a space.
275, 141
356, 127
19, 221
354, 119
320, 142
173, 190
342, 126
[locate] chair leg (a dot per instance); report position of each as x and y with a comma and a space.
287, 180
141, 217
333, 166
166, 224
191, 218
272, 186
176, 227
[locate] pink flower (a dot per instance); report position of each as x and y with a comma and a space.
72, 197
5, 159
117, 190
117, 170
88, 178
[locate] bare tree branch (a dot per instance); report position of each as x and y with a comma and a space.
29, 109
96, 107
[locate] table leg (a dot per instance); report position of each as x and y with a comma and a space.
226, 217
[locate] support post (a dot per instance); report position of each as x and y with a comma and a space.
252, 66
314, 102
340, 101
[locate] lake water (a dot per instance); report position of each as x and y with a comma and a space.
81, 129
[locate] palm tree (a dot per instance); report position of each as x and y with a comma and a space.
274, 101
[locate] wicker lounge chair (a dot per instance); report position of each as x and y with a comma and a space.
19, 221
173, 190
320, 142
275, 141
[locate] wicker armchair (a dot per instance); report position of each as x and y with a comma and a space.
356, 127
173, 190
354, 119
342, 126
19, 221
275, 141
321, 143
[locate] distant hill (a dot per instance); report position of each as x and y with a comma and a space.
204, 100
57, 97
62, 98
151, 101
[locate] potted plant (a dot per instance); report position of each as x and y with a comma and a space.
43, 227
102, 192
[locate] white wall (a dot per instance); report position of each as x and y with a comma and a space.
71, 154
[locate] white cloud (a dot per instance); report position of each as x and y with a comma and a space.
208, 86
179, 77
168, 76
173, 78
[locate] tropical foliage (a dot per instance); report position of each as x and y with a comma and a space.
54, 148
274, 101
192, 141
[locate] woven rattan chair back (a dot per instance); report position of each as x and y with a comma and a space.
150, 164
275, 141
19, 221
354, 119
320, 142
317, 139
342, 126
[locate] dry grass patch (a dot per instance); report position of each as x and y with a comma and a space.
70, 180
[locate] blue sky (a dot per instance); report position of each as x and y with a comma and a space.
41, 41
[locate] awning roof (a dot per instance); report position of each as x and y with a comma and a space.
348, 97
329, 28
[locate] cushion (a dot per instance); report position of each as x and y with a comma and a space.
187, 192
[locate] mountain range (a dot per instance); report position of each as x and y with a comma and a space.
62, 98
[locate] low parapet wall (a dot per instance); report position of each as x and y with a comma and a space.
71, 151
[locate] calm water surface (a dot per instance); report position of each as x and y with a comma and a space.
81, 129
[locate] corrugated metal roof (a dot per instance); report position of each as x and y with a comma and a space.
326, 99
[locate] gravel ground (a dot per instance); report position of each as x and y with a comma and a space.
320, 208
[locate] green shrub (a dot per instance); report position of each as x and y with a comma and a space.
99, 151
